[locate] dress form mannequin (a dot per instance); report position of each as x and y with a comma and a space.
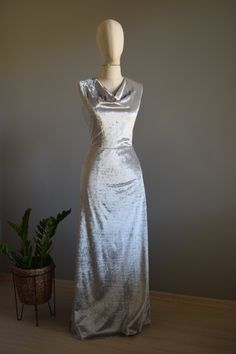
110, 41
112, 271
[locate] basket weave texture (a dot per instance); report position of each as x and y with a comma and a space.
31, 282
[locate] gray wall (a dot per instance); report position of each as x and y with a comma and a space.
184, 54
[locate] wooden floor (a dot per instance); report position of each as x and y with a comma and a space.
179, 325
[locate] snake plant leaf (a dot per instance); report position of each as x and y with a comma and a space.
15, 227
6, 249
22, 231
25, 224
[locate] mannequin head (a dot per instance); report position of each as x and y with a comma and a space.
110, 41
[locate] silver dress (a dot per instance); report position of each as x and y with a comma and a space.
112, 271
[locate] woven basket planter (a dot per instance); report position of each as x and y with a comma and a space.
34, 286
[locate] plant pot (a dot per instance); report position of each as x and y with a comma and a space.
34, 286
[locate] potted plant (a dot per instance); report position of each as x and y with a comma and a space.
33, 269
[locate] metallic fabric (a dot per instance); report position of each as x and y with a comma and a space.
112, 270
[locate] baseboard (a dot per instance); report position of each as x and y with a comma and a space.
157, 295
193, 300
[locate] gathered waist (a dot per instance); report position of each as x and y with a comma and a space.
103, 147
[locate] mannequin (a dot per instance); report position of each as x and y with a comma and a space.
111, 279
110, 41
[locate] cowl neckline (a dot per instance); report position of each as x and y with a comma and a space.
112, 95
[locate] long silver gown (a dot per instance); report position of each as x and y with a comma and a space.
112, 267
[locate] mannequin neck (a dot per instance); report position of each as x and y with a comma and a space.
110, 73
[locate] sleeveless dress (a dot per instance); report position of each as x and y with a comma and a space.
111, 293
